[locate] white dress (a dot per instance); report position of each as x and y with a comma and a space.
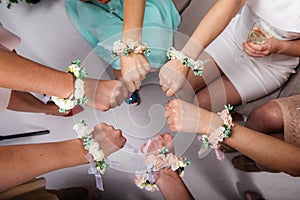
256, 77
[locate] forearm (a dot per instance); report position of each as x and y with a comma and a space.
25, 102
19, 73
266, 150
213, 23
133, 19
181, 192
291, 48
37, 159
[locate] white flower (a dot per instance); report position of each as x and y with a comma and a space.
79, 89
93, 147
174, 167
198, 65
151, 188
63, 103
98, 155
82, 130
74, 69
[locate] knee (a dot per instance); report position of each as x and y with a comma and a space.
202, 102
264, 117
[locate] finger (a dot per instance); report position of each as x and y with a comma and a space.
143, 148
170, 93
130, 86
143, 71
170, 122
158, 136
165, 88
137, 84
161, 81
168, 113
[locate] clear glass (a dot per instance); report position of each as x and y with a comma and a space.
261, 32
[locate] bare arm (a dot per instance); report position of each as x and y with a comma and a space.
273, 45
37, 159
173, 74
213, 23
291, 48
133, 19
19, 73
135, 66
266, 150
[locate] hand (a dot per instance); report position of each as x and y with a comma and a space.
105, 94
171, 185
134, 69
110, 139
157, 143
185, 117
262, 50
173, 77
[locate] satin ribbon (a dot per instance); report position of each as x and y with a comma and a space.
93, 170
137, 159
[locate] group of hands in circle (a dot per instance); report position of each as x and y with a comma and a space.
107, 94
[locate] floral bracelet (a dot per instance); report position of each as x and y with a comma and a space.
125, 48
217, 136
78, 97
146, 179
90, 144
196, 66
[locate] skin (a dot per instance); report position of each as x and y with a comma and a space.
168, 181
135, 66
214, 89
266, 150
16, 159
21, 74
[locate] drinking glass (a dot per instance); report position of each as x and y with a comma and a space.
261, 32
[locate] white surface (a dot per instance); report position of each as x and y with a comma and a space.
48, 38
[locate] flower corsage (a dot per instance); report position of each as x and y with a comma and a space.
217, 136
195, 65
90, 144
125, 48
146, 179
78, 97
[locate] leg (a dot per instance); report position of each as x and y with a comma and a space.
210, 73
117, 74
266, 118
217, 94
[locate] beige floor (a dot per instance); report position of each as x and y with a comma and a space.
48, 38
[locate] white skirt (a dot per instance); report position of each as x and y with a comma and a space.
252, 77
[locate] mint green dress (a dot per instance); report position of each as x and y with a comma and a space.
101, 25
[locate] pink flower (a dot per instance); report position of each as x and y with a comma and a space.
171, 159
160, 162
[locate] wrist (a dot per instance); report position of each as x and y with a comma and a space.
281, 46
75, 151
69, 85
78, 95
210, 122
133, 34
195, 65
192, 49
